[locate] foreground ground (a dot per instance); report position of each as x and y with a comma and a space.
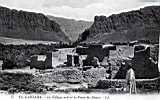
59, 80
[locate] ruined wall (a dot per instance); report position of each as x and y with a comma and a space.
40, 64
143, 66
37, 64
19, 55
48, 61
96, 51
69, 60
144, 62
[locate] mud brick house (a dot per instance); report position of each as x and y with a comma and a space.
41, 61
142, 63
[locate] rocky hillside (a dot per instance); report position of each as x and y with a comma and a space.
71, 27
143, 24
29, 26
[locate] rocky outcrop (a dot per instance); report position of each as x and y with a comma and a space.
143, 24
72, 28
29, 26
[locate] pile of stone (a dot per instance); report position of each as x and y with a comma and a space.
111, 83
60, 76
93, 75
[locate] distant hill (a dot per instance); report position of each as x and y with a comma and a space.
29, 26
143, 24
72, 28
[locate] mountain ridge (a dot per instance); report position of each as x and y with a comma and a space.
126, 26
29, 25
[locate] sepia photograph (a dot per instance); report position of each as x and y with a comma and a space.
80, 49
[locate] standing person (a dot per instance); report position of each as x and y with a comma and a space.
131, 81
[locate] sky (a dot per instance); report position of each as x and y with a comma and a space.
78, 9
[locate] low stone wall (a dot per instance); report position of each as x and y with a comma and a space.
149, 83
111, 83
121, 83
